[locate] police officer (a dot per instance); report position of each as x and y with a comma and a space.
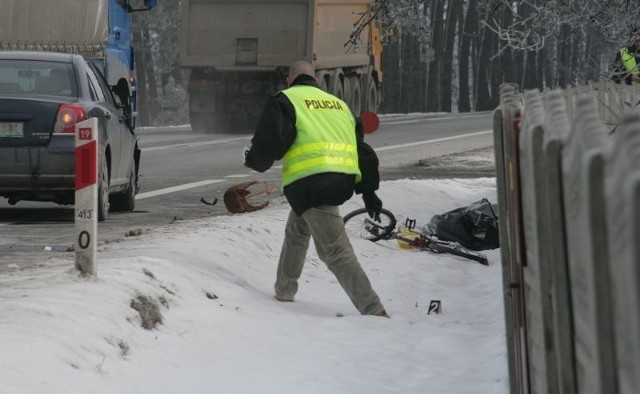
627, 60
324, 161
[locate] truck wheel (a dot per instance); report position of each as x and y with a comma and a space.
346, 91
355, 101
371, 96
324, 84
126, 202
335, 84
338, 91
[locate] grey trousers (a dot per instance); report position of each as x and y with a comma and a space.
326, 227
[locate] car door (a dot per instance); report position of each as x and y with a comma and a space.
119, 135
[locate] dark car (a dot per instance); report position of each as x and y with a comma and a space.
42, 96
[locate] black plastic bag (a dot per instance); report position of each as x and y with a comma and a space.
474, 227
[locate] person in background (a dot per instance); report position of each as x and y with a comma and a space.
627, 61
324, 161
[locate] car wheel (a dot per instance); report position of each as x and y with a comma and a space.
103, 191
126, 202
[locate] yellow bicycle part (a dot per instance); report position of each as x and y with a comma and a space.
406, 234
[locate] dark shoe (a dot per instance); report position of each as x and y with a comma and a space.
282, 299
383, 313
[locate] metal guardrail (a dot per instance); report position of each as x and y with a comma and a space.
568, 169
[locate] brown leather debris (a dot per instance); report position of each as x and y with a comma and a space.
236, 198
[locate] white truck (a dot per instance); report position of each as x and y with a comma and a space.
239, 51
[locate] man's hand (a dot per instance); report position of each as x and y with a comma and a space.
373, 205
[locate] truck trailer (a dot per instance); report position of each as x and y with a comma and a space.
100, 30
239, 51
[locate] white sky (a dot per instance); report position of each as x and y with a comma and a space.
64, 334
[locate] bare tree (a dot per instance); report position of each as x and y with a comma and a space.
543, 19
467, 35
391, 15
570, 36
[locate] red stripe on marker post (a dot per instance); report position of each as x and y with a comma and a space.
86, 165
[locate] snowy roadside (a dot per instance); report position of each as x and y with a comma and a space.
221, 331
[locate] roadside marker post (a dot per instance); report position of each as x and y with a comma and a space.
86, 196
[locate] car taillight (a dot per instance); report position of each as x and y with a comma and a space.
68, 116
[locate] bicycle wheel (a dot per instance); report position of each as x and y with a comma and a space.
358, 224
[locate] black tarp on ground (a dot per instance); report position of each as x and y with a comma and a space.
474, 226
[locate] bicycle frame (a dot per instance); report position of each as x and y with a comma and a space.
375, 231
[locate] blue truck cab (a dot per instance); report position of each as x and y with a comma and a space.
119, 62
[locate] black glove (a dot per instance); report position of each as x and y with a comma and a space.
245, 156
373, 205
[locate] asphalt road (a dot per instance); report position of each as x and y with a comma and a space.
179, 168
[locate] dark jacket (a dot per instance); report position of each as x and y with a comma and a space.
274, 135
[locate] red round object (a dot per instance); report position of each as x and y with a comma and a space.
370, 122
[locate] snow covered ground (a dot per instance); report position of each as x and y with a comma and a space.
208, 286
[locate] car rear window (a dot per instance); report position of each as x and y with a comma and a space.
37, 77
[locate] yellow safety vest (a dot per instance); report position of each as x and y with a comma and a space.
629, 61
326, 138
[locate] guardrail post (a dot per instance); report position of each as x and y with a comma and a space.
505, 130
537, 272
622, 198
86, 197
583, 179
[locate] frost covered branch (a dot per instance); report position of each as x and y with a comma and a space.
526, 24
389, 16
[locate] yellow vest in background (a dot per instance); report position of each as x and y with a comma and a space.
326, 137
629, 61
